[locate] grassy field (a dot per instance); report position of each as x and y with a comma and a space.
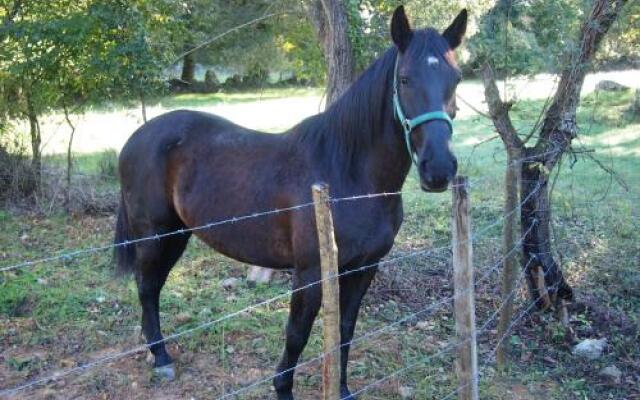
58, 315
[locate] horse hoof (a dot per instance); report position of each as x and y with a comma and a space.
345, 394
164, 373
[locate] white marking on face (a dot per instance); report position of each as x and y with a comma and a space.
431, 60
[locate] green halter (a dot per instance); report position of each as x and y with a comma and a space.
409, 124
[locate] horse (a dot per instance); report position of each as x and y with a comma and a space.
185, 169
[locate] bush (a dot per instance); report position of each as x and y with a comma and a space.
211, 82
17, 180
108, 165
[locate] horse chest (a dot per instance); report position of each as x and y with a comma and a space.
365, 234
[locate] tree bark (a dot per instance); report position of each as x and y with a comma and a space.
188, 68
535, 221
36, 141
143, 106
330, 20
69, 157
509, 243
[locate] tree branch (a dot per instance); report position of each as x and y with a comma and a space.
315, 9
560, 126
12, 13
499, 111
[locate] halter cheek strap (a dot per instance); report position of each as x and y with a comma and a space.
409, 124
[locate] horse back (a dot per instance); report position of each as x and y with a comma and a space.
199, 168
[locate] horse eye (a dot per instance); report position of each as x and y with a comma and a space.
404, 80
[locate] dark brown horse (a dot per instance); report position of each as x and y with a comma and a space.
185, 169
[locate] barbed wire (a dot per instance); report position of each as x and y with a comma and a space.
207, 324
74, 253
489, 358
411, 316
234, 314
246, 309
209, 225
446, 349
266, 302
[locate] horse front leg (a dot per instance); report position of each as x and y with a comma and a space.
303, 310
352, 289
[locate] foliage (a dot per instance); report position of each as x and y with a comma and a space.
68, 53
303, 51
252, 51
599, 246
622, 44
527, 37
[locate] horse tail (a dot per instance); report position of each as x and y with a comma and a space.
125, 254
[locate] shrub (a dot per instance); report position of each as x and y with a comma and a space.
108, 165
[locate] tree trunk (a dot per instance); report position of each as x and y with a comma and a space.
36, 142
143, 105
559, 127
558, 130
188, 68
509, 243
10, 16
329, 17
69, 157
535, 220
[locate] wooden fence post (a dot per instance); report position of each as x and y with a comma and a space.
467, 361
509, 256
330, 293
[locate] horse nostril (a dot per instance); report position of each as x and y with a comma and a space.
428, 180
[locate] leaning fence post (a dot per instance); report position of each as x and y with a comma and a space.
330, 293
467, 361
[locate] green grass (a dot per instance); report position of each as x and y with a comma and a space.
191, 100
74, 309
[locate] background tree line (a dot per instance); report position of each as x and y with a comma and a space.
66, 55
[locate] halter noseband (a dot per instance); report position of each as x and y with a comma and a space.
408, 124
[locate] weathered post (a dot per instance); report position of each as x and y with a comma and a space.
330, 293
509, 256
467, 361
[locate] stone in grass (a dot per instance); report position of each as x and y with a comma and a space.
259, 275
165, 373
590, 348
610, 86
612, 373
406, 392
230, 283
183, 318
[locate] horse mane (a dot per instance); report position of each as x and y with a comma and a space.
351, 124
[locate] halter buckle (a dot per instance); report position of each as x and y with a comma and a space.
406, 124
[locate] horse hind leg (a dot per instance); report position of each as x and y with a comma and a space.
154, 261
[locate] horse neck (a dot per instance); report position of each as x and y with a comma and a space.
357, 138
384, 160
387, 162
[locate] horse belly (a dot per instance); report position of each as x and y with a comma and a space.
263, 244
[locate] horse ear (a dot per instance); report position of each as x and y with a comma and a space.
401, 32
455, 32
